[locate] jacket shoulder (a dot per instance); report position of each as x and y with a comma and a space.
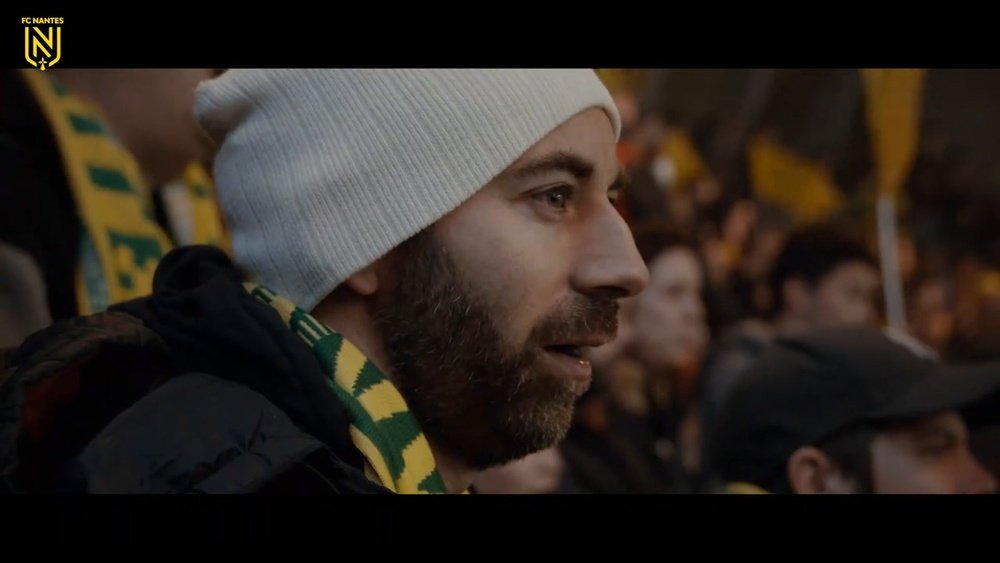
195, 433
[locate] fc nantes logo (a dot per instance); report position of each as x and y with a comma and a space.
42, 41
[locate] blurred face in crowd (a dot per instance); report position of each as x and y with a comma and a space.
931, 455
168, 137
151, 111
845, 296
669, 315
492, 308
925, 456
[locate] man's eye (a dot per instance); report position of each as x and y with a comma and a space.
556, 198
939, 444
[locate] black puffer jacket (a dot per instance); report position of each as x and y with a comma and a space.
198, 388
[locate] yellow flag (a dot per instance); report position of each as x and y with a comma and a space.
680, 150
630, 79
804, 188
893, 102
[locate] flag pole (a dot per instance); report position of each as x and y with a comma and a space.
893, 102
888, 246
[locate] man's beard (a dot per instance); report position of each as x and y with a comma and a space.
483, 398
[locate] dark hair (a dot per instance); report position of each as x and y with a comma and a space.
656, 236
812, 253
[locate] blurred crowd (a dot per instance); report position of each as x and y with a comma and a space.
754, 286
739, 260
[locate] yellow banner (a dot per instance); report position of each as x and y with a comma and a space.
804, 188
680, 150
893, 102
630, 79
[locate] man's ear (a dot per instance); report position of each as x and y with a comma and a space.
811, 471
364, 282
375, 277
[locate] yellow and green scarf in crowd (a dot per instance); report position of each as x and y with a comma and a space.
121, 243
396, 452
743, 488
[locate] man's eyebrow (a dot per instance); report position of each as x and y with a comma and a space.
559, 161
936, 431
924, 432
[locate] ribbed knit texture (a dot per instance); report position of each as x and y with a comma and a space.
321, 172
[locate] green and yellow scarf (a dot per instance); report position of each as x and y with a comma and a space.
121, 242
382, 428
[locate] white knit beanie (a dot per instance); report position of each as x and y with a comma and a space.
321, 172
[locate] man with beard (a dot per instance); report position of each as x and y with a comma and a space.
421, 258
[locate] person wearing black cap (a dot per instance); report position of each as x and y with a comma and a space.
823, 277
852, 410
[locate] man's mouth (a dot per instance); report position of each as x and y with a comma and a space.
577, 347
566, 349
567, 361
